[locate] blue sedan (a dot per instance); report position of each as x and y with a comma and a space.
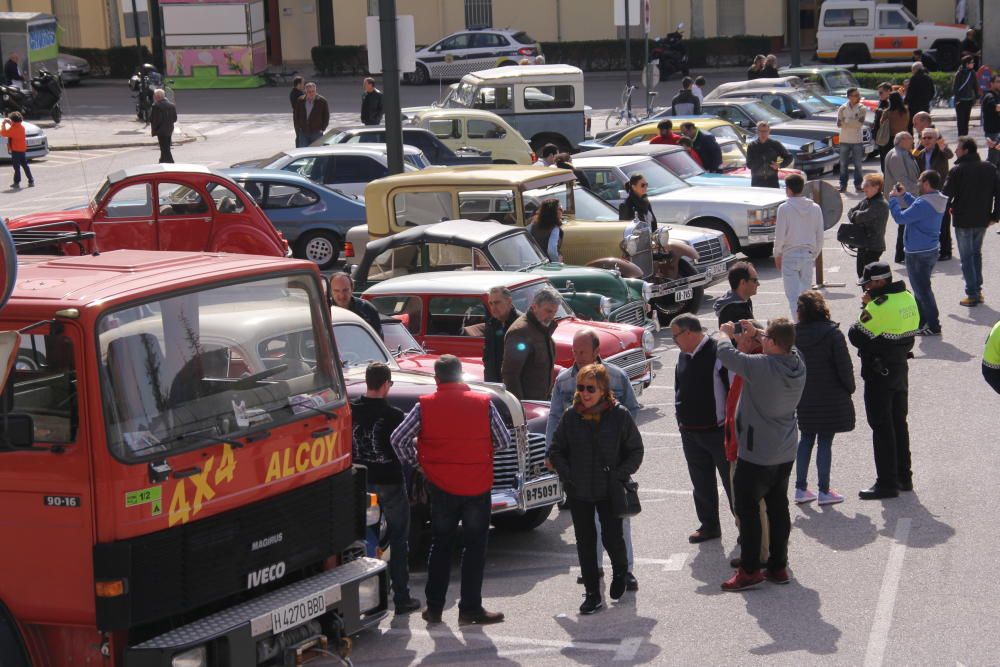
313, 218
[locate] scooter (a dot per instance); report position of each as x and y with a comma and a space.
143, 83
40, 99
671, 53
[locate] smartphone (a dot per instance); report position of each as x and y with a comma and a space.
738, 329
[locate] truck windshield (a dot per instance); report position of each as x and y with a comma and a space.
185, 370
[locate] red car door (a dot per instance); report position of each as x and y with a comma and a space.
455, 325
184, 216
125, 219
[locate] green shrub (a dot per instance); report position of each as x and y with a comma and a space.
609, 54
337, 60
118, 61
942, 80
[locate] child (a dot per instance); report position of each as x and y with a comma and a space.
13, 129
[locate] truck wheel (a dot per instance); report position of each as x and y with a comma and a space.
667, 308
759, 251
12, 651
522, 523
853, 54
421, 77
948, 57
319, 246
540, 140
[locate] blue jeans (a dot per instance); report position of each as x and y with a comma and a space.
919, 266
824, 455
970, 249
796, 274
396, 505
19, 160
854, 153
447, 510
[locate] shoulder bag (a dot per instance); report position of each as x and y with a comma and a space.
884, 135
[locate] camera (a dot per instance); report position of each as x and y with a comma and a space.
738, 328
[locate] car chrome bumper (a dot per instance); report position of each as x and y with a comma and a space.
672, 286
511, 499
717, 271
819, 164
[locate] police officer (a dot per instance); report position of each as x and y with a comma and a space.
991, 358
884, 335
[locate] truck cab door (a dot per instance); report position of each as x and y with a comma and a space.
894, 37
126, 219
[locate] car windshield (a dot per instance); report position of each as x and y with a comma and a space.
416, 160
516, 252
524, 38
358, 346
398, 338
446, 96
760, 111
586, 205
660, 180
463, 96
522, 297
267, 163
733, 155
812, 102
838, 80
680, 164
100, 194
190, 368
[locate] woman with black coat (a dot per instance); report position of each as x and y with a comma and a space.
872, 212
596, 444
637, 205
826, 407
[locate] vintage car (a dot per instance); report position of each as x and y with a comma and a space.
37, 143
460, 128
472, 245
446, 312
432, 147
832, 81
678, 263
167, 207
677, 161
314, 218
814, 155
524, 490
745, 215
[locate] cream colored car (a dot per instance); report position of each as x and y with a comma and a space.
483, 130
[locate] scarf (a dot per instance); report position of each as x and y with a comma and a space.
595, 413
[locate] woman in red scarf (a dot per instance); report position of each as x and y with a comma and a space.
596, 444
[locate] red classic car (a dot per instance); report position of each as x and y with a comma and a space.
168, 207
445, 312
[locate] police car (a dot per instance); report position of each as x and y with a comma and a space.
471, 50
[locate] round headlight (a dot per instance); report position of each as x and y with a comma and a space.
647, 291
648, 342
663, 237
605, 306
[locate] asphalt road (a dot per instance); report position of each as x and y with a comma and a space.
907, 581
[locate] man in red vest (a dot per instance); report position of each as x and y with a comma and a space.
457, 430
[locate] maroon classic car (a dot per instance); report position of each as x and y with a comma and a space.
168, 207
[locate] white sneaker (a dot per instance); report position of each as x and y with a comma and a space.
804, 496
831, 497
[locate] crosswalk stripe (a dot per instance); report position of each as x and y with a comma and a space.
224, 130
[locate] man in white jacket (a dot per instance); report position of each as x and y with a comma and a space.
798, 240
851, 121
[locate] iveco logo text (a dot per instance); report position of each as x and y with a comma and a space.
257, 545
264, 575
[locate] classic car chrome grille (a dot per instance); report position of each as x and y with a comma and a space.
633, 362
633, 313
505, 462
709, 251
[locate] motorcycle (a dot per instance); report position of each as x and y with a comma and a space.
670, 53
41, 98
143, 83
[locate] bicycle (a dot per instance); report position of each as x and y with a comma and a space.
624, 115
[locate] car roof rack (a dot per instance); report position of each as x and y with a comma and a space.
50, 235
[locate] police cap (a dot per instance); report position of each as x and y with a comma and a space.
876, 271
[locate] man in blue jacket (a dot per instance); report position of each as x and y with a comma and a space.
921, 217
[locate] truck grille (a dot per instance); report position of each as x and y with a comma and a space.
505, 462
634, 358
709, 251
181, 569
633, 313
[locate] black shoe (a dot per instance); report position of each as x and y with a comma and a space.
407, 606
843, 189
944, 258
31, 184
592, 602
481, 617
736, 563
432, 616
702, 535
617, 587
876, 493
600, 575
631, 583
906, 485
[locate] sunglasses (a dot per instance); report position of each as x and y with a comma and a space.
642, 184
589, 388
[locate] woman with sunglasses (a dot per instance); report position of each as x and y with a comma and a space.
596, 445
637, 205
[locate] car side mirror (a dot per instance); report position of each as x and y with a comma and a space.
909, 25
797, 113
17, 431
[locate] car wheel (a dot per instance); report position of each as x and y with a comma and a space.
12, 651
759, 251
421, 76
522, 523
853, 54
321, 247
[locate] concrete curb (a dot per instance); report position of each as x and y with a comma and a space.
143, 144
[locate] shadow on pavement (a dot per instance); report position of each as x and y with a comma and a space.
618, 624
791, 616
829, 526
926, 531
711, 567
933, 347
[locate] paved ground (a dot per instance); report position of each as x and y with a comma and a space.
901, 582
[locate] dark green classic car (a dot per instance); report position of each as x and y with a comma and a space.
471, 245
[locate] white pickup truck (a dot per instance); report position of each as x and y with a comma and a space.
860, 31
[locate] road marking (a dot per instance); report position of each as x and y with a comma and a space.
266, 130
879, 637
627, 647
832, 269
224, 129
672, 564
655, 434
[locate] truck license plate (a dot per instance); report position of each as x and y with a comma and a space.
298, 612
541, 493
684, 295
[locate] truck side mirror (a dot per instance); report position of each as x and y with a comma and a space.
17, 431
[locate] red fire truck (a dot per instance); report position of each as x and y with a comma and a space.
175, 491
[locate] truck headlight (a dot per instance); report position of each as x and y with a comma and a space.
647, 291
605, 306
648, 342
194, 657
369, 596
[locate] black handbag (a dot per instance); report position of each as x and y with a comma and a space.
855, 236
623, 494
